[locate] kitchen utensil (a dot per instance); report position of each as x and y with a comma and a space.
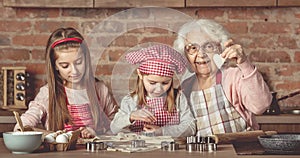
95, 146
22, 142
227, 138
293, 111
169, 146
19, 121
138, 143
219, 61
274, 108
289, 95
280, 142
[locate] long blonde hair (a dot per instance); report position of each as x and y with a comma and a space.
141, 92
58, 111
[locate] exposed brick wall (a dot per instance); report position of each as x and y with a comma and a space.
270, 37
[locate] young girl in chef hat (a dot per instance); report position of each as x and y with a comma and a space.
152, 106
72, 98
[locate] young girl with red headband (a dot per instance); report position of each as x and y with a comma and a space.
72, 99
152, 106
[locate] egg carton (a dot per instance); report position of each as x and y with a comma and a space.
70, 145
54, 146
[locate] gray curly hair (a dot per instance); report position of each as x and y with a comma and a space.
216, 31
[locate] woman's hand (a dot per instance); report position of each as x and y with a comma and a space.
87, 132
142, 115
152, 128
234, 51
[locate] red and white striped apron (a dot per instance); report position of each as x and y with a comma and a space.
157, 107
80, 114
81, 117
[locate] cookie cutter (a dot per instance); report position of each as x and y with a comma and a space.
148, 134
210, 147
95, 146
169, 146
138, 143
190, 147
191, 139
198, 143
209, 139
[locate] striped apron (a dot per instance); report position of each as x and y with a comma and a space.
81, 117
214, 113
80, 114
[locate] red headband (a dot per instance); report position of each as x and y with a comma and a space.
66, 40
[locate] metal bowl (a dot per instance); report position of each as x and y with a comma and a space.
280, 142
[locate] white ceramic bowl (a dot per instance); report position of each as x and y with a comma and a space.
22, 142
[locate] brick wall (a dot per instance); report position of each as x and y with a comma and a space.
269, 35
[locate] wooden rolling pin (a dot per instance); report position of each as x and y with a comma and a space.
249, 136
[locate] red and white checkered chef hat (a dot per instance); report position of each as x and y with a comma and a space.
159, 59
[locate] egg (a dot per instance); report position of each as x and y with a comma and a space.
62, 138
49, 138
69, 133
53, 134
59, 132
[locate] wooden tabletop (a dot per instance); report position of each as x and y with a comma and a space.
222, 151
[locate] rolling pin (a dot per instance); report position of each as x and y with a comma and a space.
248, 136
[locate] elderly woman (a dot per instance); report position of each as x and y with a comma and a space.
223, 99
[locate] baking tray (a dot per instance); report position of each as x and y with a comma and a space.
254, 148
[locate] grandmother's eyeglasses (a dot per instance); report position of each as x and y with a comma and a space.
208, 47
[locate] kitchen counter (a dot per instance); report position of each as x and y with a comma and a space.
223, 151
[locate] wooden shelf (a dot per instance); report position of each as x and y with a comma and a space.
7, 119
49, 3
283, 123
137, 3
231, 3
278, 119
291, 3
147, 3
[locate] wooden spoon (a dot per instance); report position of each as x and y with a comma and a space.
19, 121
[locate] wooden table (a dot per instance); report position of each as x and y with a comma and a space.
223, 151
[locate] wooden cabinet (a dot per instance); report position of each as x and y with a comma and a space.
145, 3
283, 123
49, 3
230, 3
7, 124
137, 3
